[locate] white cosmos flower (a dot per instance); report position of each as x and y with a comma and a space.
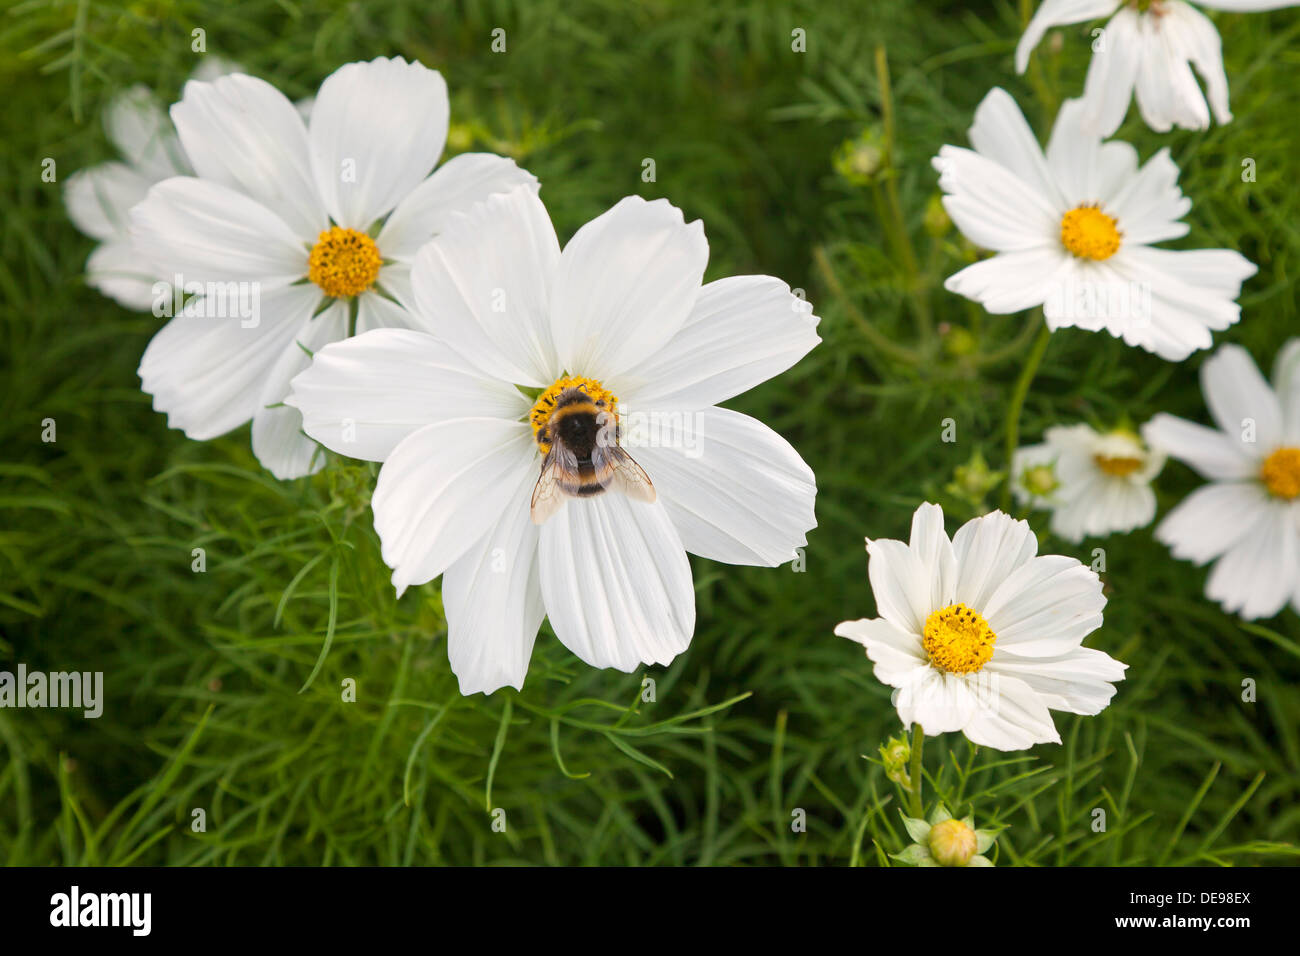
1149, 48
622, 312
294, 232
1072, 230
981, 633
1247, 520
1094, 483
100, 197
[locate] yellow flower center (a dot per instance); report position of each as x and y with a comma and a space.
545, 404
952, 843
1281, 473
1120, 466
957, 639
1089, 233
344, 262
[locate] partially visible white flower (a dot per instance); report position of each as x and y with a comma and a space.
100, 197
475, 422
982, 634
1149, 48
1247, 519
295, 234
1073, 231
944, 840
1094, 483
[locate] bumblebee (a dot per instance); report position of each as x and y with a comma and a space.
582, 456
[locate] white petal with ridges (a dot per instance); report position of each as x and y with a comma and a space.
626, 284
616, 582
377, 129
207, 373
454, 187
242, 132
742, 331
483, 286
443, 488
735, 490
207, 232
492, 596
361, 397
278, 440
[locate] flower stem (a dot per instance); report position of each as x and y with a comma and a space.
1017, 403
916, 806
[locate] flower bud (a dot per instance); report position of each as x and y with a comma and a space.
952, 843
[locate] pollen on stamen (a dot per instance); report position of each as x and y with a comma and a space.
1281, 473
540, 414
958, 640
1117, 466
344, 262
1088, 233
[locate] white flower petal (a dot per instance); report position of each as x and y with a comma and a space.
363, 396
1011, 717
1214, 518
1058, 13
1112, 74
206, 232
443, 488
1257, 576
742, 331
930, 542
207, 373
735, 490
626, 283
375, 311
1190, 292
1148, 204
900, 584
1286, 385
1013, 281
1240, 400
1079, 681
377, 129
244, 133
1211, 453
1202, 46
1045, 607
483, 286
492, 597
114, 269
988, 549
455, 186
940, 702
139, 129
616, 582
1001, 133
896, 653
991, 205
100, 198
278, 441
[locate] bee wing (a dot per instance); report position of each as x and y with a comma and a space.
559, 470
615, 468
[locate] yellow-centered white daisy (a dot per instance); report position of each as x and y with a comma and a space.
1247, 520
1072, 230
1148, 49
556, 449
294, 234
982, 634
99, 198
1094, 483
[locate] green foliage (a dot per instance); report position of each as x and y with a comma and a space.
224, 688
